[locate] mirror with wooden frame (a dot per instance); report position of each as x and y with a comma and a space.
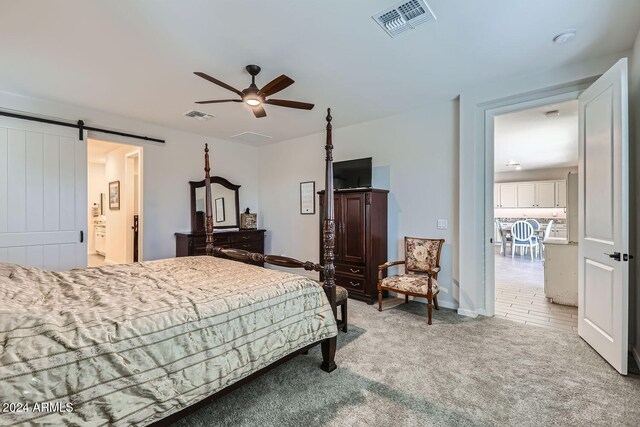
226, 204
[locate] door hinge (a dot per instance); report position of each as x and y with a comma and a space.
627, 257
491, 240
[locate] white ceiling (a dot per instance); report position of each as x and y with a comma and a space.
136, 58
97, 150
536, 141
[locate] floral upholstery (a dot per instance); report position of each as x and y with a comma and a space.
341, 294
421, 255
410, 283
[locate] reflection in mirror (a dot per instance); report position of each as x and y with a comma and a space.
224, 211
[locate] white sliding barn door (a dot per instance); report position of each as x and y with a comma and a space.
603, 270
43, 194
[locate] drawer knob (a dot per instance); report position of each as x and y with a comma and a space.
246, 237
354, 284
357, 270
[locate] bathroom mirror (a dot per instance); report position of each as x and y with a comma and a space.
224, 203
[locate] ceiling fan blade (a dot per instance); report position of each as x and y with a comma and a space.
216, 101
218, 82
258, 110
276, 85
290, 104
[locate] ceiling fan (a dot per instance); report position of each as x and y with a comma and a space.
255, 97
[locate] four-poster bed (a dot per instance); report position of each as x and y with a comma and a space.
149, 342
328, 236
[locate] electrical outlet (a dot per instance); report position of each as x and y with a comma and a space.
442, 224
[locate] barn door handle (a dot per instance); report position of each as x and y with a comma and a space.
81, 236
627, 257
615, 255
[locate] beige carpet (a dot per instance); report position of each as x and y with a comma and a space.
394, 370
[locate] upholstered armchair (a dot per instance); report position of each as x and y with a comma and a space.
421, 267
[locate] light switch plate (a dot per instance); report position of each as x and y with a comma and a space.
442, 224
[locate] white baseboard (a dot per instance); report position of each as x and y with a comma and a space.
636, 355
468, 313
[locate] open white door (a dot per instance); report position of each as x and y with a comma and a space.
43, 195
603, 270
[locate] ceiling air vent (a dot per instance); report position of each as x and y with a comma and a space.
198, 115
404, 16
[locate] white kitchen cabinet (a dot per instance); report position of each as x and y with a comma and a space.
545, 194
526, 195
534, 194
509, 195
561, 194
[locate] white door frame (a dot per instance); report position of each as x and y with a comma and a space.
485, 118
137, 155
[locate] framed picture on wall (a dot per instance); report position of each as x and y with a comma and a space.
308, 198
114, 195
219, 204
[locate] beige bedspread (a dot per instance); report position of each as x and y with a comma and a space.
131, 344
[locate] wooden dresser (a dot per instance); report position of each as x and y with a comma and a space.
361, 240
194, 244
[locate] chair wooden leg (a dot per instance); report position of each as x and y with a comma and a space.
435, 302
406, 298
379, 299
429, 310
343, 310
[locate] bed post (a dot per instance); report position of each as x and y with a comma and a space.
329, 237
207, 204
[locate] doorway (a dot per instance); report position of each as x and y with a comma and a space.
115, 184
535, 215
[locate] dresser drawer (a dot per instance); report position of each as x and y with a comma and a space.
246, 237
249, 246
350, 283
217, 240
352, 270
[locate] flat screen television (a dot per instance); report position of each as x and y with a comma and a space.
352, 174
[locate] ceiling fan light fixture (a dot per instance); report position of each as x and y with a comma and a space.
254, 102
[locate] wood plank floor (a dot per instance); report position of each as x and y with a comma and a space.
520, 296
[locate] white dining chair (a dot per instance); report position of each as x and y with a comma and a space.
547, 233
522, 235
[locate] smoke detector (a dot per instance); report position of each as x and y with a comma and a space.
199, 115
404, 16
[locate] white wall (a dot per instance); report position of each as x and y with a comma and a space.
473, 102
415, 156
167, 168
634, 143
95, 186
